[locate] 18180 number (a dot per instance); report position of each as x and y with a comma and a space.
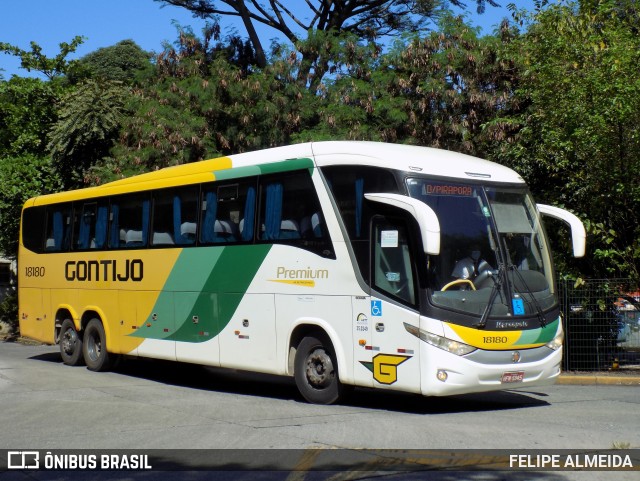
37, 271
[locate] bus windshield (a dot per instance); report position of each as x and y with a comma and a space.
494, 260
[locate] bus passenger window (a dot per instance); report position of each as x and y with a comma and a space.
90, 226
291, 213
227, 212
129, 221
33, 226
58, 228
174, 216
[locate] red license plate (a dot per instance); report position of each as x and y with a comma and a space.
513, 377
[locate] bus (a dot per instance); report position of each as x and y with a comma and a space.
335, 263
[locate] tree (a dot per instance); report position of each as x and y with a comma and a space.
21, 177
578, 145
88, 124
121, 62
438, 90
36, 60
205, 102
27, 109
367, 19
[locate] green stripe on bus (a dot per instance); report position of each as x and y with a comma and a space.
203, 291
270, 168
540, 335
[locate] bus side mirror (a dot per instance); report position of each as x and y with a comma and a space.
578, 234
424, 215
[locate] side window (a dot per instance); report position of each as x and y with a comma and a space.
175, 215
33, 226
90, 225
129, 221
348, 184
59, 228
392, 270
228, 212
290, 213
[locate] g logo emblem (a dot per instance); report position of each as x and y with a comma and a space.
385, 367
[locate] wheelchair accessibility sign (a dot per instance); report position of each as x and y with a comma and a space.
376, 308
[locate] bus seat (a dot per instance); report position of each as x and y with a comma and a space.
162, 238
133, 238
289, 229
187, 233
50, 244
225, 231
188, 229
310, 226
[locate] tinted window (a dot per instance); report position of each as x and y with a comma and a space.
90, 225
33, 221
175, 216
59, 226
348, 185
290, 213
129, 221
228, 212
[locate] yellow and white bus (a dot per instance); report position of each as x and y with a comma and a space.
337, 263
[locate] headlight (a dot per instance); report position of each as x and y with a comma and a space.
556, 342
449, 345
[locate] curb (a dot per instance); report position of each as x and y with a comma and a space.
598, 380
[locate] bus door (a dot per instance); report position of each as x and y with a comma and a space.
392, 354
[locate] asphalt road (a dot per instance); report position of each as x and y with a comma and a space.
161, 405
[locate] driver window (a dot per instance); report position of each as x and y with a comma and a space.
393, 271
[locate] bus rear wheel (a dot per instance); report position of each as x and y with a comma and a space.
316, 371
70, 344
94, 347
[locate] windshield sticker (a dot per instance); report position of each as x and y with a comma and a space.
389, 238
393, 276
518, 306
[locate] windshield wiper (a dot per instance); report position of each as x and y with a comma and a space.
498, 279
539, 312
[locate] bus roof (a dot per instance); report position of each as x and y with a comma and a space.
415, 159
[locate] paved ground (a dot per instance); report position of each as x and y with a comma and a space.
160, 405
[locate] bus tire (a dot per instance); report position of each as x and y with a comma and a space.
94, 347
316, 370
70, 343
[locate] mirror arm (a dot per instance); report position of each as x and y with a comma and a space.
578, 234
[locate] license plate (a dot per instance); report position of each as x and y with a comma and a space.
508, 377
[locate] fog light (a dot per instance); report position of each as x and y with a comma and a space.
442, 375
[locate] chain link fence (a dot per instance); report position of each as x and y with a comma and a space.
602, 324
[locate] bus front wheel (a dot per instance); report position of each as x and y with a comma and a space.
70, 344
94, 347
316, 371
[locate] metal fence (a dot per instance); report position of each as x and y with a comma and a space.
602, 324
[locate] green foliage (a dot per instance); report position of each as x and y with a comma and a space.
204, 102
558, 101
27, 109
439, 90
579, 144
21, 177
122, 62
9, 313
34, 59
88, 124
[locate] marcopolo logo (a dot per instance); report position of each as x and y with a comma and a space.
105, 270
